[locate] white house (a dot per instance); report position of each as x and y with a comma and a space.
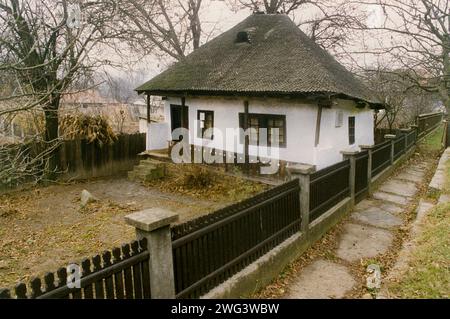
269, 72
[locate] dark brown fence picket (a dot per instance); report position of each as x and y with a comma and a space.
100, 278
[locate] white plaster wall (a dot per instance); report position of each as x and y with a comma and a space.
300, 127
158, 136
334, 139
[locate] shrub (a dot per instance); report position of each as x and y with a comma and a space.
197, 177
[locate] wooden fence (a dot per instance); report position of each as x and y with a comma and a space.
210, 249
76, 158
121, 273
424, 123
427, 122
328, 187
361, 175
82, 157
381, 157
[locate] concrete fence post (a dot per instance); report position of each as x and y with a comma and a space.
391, 137
154, 224
351, 156
369, 149
303, 173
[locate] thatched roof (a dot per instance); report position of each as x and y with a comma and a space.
278, 60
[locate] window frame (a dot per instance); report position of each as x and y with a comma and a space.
201, 130
351, 130
263, 119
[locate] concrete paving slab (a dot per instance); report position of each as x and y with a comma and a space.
396, 199
391, 207
321, 280
411, 171
409, 177
366, 204
444, 198
399, 187
377, 217
363, 242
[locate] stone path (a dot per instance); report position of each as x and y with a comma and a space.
367, 234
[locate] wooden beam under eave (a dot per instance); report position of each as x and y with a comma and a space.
148, 108
246, 138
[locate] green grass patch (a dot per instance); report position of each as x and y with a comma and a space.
429, 272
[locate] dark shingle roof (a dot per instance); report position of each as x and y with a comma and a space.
279, 60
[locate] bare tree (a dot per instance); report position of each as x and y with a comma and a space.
415, 35
404, 100
164, 27
47, 47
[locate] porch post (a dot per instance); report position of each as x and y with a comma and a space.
369, 149
246, 138
391, 137
154, 225
303, 173
148, 108
351, 156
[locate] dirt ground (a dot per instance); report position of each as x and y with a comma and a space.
44, 228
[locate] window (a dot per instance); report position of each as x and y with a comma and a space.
351, 130
339, 118
205, 121
267, 121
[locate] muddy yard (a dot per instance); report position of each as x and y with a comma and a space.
44, 228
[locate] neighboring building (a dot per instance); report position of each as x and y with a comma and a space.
265, 68
123, 118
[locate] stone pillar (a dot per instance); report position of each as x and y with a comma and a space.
154, 224
303, 172
391, 137
369, 149
351, 155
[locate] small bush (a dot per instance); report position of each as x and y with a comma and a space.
197, 177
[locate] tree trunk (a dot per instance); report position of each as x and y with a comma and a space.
51, 135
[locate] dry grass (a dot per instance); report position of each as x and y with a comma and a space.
206, 183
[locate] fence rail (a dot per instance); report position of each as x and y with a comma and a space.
121, 273
208, 250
